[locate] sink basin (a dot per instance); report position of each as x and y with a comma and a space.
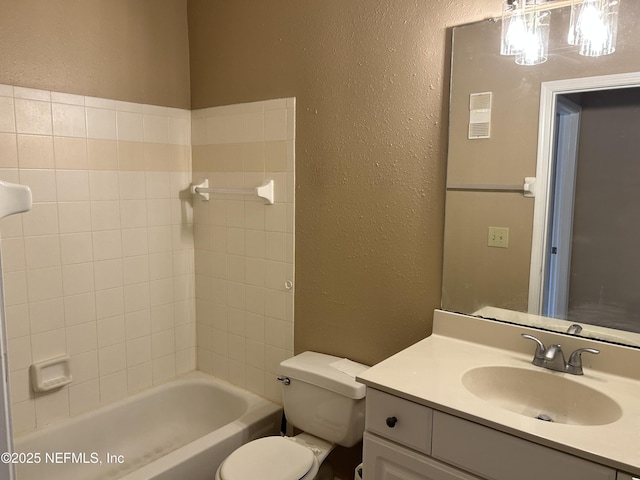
541, 394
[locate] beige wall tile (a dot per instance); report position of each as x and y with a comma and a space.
70, 153
232, 155
8, 149
77, 278
139, 352
42, 251
111, 331
49, 344
69, 120
82, 338
46, 315
44, 283
15, 288
7, 117
139, 377
79, 308
135, 269
113, 386
112, 359
134, 242
108, 274
105, 215
276, 156
104, 185
74, 217
85, 366
254, 157
109, 303
84, 397
42, 219
76, 248
107, 244
72, 185
33, 117
13, 255
164, 368
131, 156
102, 154
35, 151
42, 184
132, 185
157, 157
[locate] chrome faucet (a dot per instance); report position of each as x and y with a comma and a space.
553, 357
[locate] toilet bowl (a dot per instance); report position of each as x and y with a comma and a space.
276, 458
321, 397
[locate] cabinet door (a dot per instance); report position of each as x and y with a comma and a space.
384, 460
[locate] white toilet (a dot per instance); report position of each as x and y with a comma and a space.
321, 398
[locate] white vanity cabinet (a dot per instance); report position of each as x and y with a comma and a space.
408, 441
384, 460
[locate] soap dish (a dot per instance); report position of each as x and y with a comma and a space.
50, 374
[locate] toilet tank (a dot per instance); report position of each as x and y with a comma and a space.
321, 399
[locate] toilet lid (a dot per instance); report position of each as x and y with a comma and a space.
269, 458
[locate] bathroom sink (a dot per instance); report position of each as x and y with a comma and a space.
544, 395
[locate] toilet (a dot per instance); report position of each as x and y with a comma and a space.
321, 398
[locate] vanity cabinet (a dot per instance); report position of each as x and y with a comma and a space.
384, 460
407, 441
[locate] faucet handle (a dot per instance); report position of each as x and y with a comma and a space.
574, 365
540, 348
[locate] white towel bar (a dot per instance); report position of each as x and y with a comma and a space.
265, 191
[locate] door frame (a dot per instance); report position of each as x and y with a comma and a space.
549, 92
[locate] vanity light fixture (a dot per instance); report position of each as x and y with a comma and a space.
593, 28
513, 27
525, 31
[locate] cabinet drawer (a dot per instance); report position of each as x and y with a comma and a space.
499, 456
384, 460
399, 420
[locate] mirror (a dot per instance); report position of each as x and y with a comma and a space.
485, 182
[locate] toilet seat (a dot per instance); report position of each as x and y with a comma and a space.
268, 458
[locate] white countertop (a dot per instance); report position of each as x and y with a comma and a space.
430, 373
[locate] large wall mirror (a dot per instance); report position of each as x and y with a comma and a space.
569, 253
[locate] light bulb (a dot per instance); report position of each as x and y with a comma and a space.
516, 33
597, 27
536, 39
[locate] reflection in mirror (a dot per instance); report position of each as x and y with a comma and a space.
571, 256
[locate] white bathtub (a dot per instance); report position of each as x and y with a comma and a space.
179, 430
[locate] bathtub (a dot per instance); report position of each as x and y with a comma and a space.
181, 429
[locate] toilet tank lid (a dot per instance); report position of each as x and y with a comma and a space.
326, 371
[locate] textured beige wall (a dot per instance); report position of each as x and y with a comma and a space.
371, 82
132, 50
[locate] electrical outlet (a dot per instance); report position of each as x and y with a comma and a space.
498, 237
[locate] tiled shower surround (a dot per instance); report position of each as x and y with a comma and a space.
102, 268
244, 249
